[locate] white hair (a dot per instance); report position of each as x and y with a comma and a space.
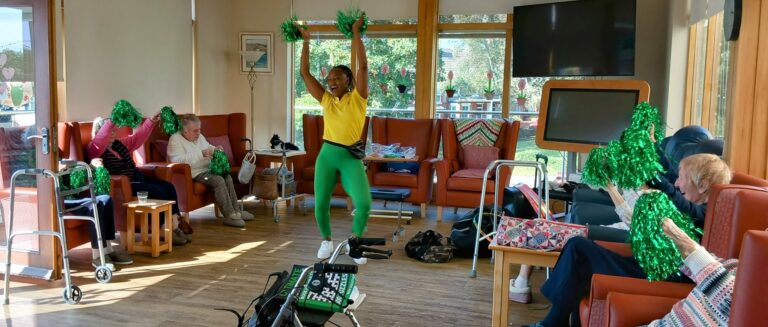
98, 122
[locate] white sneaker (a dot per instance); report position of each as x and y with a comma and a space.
325, 250
359, 261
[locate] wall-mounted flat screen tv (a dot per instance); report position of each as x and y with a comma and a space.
574, 38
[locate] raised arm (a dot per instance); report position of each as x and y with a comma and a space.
100, 141
361, 78
313, 86
135, 140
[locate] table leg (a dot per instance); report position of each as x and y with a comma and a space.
156, 233
131, 238
168, 229
501, 272
144, 227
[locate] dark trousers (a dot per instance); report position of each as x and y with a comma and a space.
106, 217
570, 280
158, 189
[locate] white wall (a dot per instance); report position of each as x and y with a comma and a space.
677, 59
650, 49
138, 50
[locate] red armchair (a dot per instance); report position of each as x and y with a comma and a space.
225, 130
733, 210
304, 166
465, 192
424, 135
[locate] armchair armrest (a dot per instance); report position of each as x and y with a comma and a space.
623, 249
635, 310
444, 168
604, 284
120, 188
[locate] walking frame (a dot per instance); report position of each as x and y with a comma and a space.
72, 294
497, 164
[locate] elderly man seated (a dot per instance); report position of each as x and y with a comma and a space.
189, 146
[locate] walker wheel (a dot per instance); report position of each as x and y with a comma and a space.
73, 295
103, 274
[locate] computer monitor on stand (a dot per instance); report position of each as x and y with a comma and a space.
576, 116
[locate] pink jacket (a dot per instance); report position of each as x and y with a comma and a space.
99, 143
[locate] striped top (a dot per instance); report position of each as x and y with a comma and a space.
119, 160
709, 303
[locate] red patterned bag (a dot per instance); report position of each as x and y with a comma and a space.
536, 234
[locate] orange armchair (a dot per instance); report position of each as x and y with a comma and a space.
226, 129
732, 210
424, 135
465, 192
304, 166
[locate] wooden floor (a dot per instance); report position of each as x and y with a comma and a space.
227, 267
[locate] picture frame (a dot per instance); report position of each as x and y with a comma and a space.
258, 45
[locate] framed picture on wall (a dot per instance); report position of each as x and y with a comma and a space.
256, 52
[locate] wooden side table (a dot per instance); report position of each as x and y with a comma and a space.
149, 210
506, 255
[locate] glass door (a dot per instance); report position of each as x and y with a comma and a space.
25, 133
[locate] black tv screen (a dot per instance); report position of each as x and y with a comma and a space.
576, 38
588, 116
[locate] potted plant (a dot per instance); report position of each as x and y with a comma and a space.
383, 78
450, 89
489, 91
521, 96
403, 81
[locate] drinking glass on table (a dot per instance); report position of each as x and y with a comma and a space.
142, 195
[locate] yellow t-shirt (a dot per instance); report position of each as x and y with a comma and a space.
343, 118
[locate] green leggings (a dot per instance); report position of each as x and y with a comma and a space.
334, 159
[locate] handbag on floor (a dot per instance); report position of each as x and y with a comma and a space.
429, 246
265, 185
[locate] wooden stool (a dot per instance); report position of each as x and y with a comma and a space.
151, 208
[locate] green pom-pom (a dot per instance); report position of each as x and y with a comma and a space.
639, 161
290, 32
601, 165
653, 250
78, 177
646, 116
124, 114
171, 122
102, 181
345, 20
219, 163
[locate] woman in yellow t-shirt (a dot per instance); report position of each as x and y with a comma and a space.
344, 104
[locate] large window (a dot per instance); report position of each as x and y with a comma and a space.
707, 76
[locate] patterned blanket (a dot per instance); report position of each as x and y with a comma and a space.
481, 132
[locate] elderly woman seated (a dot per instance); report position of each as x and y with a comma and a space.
116, 157
189, 146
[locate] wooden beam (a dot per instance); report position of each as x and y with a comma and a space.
742, 103
505, 97
688, 102
371, 28
706, 97
426, 60
716, 23
475, 26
